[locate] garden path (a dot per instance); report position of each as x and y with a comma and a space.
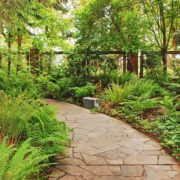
104, 148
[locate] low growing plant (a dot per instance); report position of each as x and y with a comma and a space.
21, 162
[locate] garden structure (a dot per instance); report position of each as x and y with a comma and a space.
89, 89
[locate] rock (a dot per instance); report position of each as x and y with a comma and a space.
91, 103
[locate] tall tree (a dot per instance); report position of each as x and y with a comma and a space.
163, 20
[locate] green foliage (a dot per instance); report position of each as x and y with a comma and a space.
141, 88
88, 90
117, 94
47, 87
146, 88
152, 60
21, 162
156, 74
15, 113
109, 25
17, 84
21, 117
46, 132
169, 129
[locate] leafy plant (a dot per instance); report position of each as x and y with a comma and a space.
146, 88
88, 90
169, 129
15, 112
17, 84
46, 132
117, 94
21, 162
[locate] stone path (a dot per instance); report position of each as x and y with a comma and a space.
108, 149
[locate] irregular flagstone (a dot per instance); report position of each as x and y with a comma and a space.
176, 168
74, 170
115, 161
137, 144
172, 174
113, 155
157, 152
104, 148
78, 156
163, 159
116, 170
141, 159
93, 160
132, 171
73, 161
68, 177
160, 167
98, 170
177, 177
154, 174
56, 173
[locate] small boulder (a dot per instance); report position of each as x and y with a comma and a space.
91, 103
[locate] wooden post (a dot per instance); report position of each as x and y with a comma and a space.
132, 65
124, 63
141, 65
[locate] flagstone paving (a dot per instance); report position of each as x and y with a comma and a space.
104, 148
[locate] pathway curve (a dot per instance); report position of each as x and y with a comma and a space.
106, 148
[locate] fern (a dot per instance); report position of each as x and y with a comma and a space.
47, 132
22, 162
117, 94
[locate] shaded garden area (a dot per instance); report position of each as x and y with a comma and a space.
124, 53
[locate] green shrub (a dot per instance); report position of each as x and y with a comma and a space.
117, 94
65, 85
146, 88
21, 118
156, 74
21, 162
48, 133
116, 77
88, 90
15, 112
17, 84
122, 79
49, 89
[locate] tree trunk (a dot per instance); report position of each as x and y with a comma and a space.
1, 60
41, 67
164, 59
19, 42
124, 63
9, 58
34, 61
141, 65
